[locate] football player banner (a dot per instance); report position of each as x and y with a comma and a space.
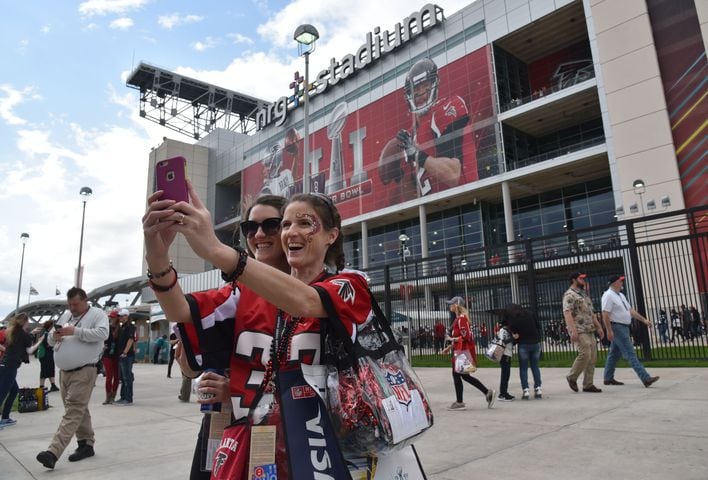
436, 132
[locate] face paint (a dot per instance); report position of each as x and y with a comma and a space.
315, 227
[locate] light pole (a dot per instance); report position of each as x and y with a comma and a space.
306, 35
85, 193
463, 264
639, 189
23, 238
403, 240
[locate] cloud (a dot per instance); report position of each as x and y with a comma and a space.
12, 98
238, 38
46, 29
341, 31
122, 23
39, 194
262, 6
271, 71
106, 7
22, 46
209, 42
175, 19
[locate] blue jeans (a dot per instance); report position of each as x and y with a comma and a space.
8, 389
622, 347
529, 353
125, 366
664, 332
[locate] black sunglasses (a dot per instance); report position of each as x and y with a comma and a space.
270, 226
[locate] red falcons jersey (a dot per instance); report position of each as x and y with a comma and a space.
236, 329
461, 328
441, 132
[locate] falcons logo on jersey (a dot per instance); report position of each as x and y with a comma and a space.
346, 291
219, 461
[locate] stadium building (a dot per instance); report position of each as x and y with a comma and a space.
456, 133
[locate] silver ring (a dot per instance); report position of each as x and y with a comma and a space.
181, 219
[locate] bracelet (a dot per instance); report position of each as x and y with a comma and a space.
160, 288
161, 274
240, 265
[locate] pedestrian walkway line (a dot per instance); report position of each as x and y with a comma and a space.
17, 461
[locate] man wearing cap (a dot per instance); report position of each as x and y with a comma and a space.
77, 341
582, 325
617, 315
126, 349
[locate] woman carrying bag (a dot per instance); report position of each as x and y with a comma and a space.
462, 340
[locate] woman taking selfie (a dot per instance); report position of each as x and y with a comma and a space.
279, 315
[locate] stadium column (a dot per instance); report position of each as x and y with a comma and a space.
364, 255
423, 217
509, 226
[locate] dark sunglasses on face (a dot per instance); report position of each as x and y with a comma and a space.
270, 226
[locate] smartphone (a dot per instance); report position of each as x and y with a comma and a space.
171, 178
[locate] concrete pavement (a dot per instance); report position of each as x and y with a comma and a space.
626, 432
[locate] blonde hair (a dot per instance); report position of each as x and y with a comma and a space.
461, 309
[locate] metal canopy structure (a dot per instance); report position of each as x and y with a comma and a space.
41, 310
190, 106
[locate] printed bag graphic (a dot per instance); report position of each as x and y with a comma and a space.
495, 352
464, 362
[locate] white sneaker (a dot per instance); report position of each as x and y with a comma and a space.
491, 397
525, 395
537, 393
457, 406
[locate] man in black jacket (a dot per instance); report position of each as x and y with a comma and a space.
523, 328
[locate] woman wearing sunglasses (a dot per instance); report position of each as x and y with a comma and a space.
262, 234
278, 319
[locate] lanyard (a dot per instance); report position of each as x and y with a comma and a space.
624, 304
68, 322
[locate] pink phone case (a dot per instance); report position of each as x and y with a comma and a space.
170, 177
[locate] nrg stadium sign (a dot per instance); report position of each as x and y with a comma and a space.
376, 46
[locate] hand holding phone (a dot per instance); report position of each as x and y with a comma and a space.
171, 178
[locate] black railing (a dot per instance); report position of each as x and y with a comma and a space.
664, 258
581, 76
542, 157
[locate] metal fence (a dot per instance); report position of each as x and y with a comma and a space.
664, 258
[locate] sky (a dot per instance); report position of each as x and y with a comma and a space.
67, 119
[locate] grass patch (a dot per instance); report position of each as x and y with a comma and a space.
671, 356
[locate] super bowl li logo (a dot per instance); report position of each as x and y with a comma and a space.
397, 380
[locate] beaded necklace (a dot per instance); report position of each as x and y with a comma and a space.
279, 349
